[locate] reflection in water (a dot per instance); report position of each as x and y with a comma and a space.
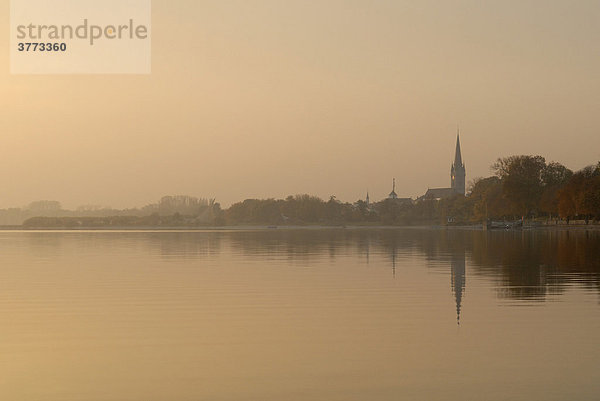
527, 265
185, 245
299, 315
524, 265
458, 280
531, 265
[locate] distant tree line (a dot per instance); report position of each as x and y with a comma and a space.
170, 211
522, 187
306, 209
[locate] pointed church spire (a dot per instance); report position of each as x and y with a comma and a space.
457, 171
458, 155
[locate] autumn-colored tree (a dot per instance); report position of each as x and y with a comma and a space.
554, 177
487, 199
581, 195
522, 184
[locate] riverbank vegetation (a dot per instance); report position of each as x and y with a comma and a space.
522, 187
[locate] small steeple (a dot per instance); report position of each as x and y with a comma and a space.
368, 200
393, 194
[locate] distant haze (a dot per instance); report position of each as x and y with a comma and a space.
270, 98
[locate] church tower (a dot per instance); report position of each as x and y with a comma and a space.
458, 172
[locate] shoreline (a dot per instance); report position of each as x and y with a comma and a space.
473, 227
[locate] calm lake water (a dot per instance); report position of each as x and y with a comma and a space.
407, 314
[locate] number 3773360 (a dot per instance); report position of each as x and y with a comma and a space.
41, 47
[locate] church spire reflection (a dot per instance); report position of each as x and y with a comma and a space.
457, 274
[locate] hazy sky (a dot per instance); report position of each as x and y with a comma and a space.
271, 98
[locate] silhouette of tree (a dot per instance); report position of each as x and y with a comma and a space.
554, 177
522, 183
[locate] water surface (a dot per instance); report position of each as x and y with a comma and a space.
300, 315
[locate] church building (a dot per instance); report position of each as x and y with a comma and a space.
457, 178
